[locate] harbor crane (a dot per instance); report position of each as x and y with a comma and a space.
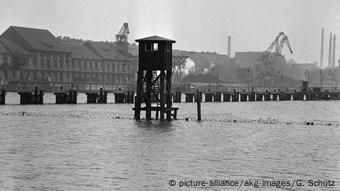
278, 43
122, 35
272, 58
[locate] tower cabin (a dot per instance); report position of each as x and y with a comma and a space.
154, 78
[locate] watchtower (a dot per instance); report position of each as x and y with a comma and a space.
154, 77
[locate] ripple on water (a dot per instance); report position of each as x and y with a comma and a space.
100, 147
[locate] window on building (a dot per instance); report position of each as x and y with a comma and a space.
48, 64
73, 65
61, 66
79, 65
97, 77
34, 62
155, 46
96, 66
61, 61
168, 47
102, 66
91, 66
67, 60
123, 68
148, 46
151, 46
42, 63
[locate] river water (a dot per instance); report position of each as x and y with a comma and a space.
101, 147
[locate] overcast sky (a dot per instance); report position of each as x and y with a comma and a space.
200, 25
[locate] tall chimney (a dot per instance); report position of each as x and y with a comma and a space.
334, 44
229, 46
330, 50
321, 52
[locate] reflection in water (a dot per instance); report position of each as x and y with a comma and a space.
87, 147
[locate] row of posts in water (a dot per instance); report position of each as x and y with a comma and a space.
256, 96
70, 96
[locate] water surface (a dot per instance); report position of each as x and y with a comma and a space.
100, 147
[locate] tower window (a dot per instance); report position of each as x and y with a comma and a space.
168, 47
148, 46
155, 46
151, 46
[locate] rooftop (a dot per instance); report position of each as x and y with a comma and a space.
79, 50
106, 50
3, 48
155, 39
36, 39
7, 46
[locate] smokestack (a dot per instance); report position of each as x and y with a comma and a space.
321, 53
334, 44
229, 46
330, 50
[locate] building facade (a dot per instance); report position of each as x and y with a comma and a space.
41, 59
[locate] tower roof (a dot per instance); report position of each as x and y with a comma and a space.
155, 39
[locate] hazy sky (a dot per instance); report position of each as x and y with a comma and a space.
200, 25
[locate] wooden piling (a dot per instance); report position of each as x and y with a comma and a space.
29, 97
200, 97
252, 96
129, 97
209, 97
217, 97
2, 97
35, 96
275, 96
267, 96
259, 97
226, 97
91, 97
189, 97
75, 94
244, 96
235, 97
198, 101
120, 98
177, 97
60, 97
41, 97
